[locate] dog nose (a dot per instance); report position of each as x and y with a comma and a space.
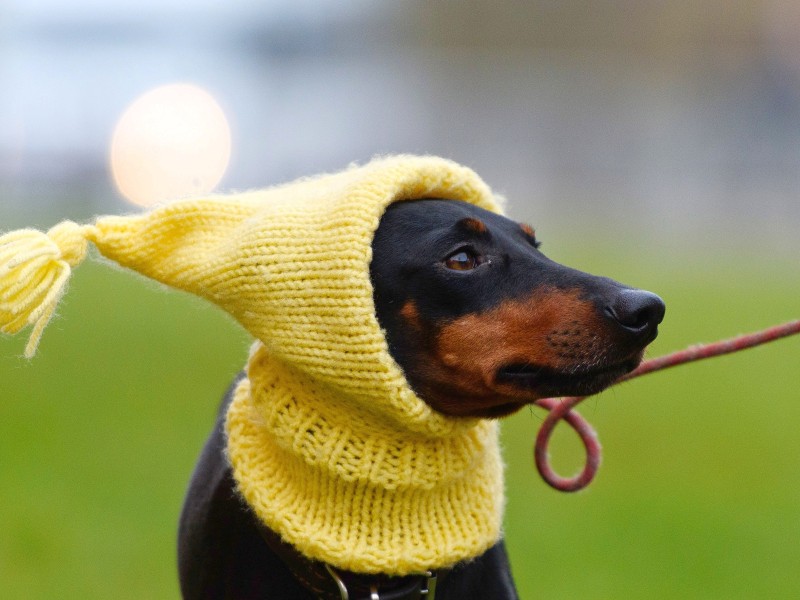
637, 311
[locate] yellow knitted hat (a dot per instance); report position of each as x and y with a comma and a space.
328, 444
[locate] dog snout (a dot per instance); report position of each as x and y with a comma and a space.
637, 312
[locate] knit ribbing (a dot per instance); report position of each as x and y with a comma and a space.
346, 488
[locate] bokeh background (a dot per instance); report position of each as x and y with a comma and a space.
657, 142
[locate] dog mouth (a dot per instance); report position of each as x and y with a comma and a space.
547, 382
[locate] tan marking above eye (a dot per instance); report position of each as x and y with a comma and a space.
473, 224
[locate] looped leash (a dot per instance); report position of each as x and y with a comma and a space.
562, 408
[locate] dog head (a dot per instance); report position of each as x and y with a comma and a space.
483, 323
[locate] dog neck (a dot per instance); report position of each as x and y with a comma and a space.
353, 487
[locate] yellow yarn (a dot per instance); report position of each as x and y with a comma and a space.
328, 443
34, 269
347, 487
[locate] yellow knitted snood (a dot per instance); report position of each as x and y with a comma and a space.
328, 443
347, 486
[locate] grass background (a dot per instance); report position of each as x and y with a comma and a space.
697, 496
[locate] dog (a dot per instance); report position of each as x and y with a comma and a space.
482, 324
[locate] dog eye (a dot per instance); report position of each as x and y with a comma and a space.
463, 260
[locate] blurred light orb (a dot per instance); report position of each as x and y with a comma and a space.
172, 142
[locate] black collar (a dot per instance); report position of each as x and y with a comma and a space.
329, 583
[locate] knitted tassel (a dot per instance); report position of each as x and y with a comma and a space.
34, 270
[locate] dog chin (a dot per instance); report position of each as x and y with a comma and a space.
498, 411
546, 382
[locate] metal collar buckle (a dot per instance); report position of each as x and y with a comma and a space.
428, 592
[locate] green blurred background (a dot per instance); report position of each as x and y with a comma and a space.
657, 143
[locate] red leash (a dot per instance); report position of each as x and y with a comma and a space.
561, 408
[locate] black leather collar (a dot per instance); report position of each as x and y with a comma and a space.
329, 583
